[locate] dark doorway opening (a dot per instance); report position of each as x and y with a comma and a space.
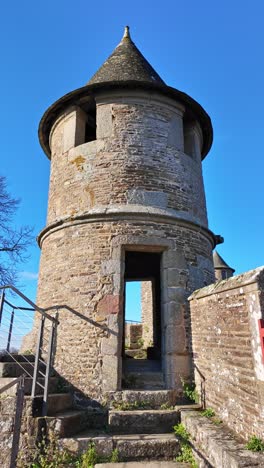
143, 267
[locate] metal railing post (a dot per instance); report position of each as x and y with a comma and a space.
10, 331
48, 367
2, 300
17, 422
37, 357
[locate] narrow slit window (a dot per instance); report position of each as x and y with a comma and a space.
90, 127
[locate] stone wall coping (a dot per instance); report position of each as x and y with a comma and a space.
134, 212
218, 444
235, 282
140, 97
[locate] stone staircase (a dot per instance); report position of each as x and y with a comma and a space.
138, 434
142, 433
136, 423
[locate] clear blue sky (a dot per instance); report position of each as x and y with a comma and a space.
211, 50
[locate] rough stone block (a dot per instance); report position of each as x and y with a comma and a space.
110, 345
177, 294
144, 197
143, 421
177, 367
110, 373
173, 314
175, 339
109, 267
147, 447
104, 121
174, 259
175, 136
173, 277
109, 304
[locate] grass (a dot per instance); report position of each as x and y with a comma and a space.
255, 444
186, 453
189, 391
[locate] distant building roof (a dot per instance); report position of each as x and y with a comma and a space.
126, 63
219, 262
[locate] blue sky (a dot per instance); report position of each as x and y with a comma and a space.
213, 51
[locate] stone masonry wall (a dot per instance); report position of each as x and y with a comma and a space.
227, 352
147, 312
136, 160
88, 293
28, 431
132, 188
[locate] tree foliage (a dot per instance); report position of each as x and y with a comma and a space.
13, 241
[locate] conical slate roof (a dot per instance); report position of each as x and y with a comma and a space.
126, 63
219, 262
125, 69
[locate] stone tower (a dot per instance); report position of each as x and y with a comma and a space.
126, 202
222, 269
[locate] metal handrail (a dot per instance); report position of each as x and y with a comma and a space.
10, 384
41, 338
39, 309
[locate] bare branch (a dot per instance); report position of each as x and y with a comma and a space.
13, 242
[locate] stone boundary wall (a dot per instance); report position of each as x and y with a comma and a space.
228, 361
29, 432
133, 335
147, 312
215, 445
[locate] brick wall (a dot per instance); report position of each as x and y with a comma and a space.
227, 351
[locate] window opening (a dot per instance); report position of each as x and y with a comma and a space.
90, 126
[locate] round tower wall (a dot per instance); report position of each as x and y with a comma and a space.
82, 275
133, 188
137, 159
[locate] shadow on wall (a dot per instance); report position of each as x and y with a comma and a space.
81, 316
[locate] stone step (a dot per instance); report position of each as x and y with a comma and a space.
54, 385
144, 464
142, 421
151, 399
135, 353
130, 447
14, 369
147, 447
143, 380
57, 402
4, 357
141, 365
71, 422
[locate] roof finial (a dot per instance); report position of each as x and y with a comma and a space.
126, 33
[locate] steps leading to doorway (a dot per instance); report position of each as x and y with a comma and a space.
141, 434
141, 365
144, 464
151, 399
132, 447
143, 374
142, 421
